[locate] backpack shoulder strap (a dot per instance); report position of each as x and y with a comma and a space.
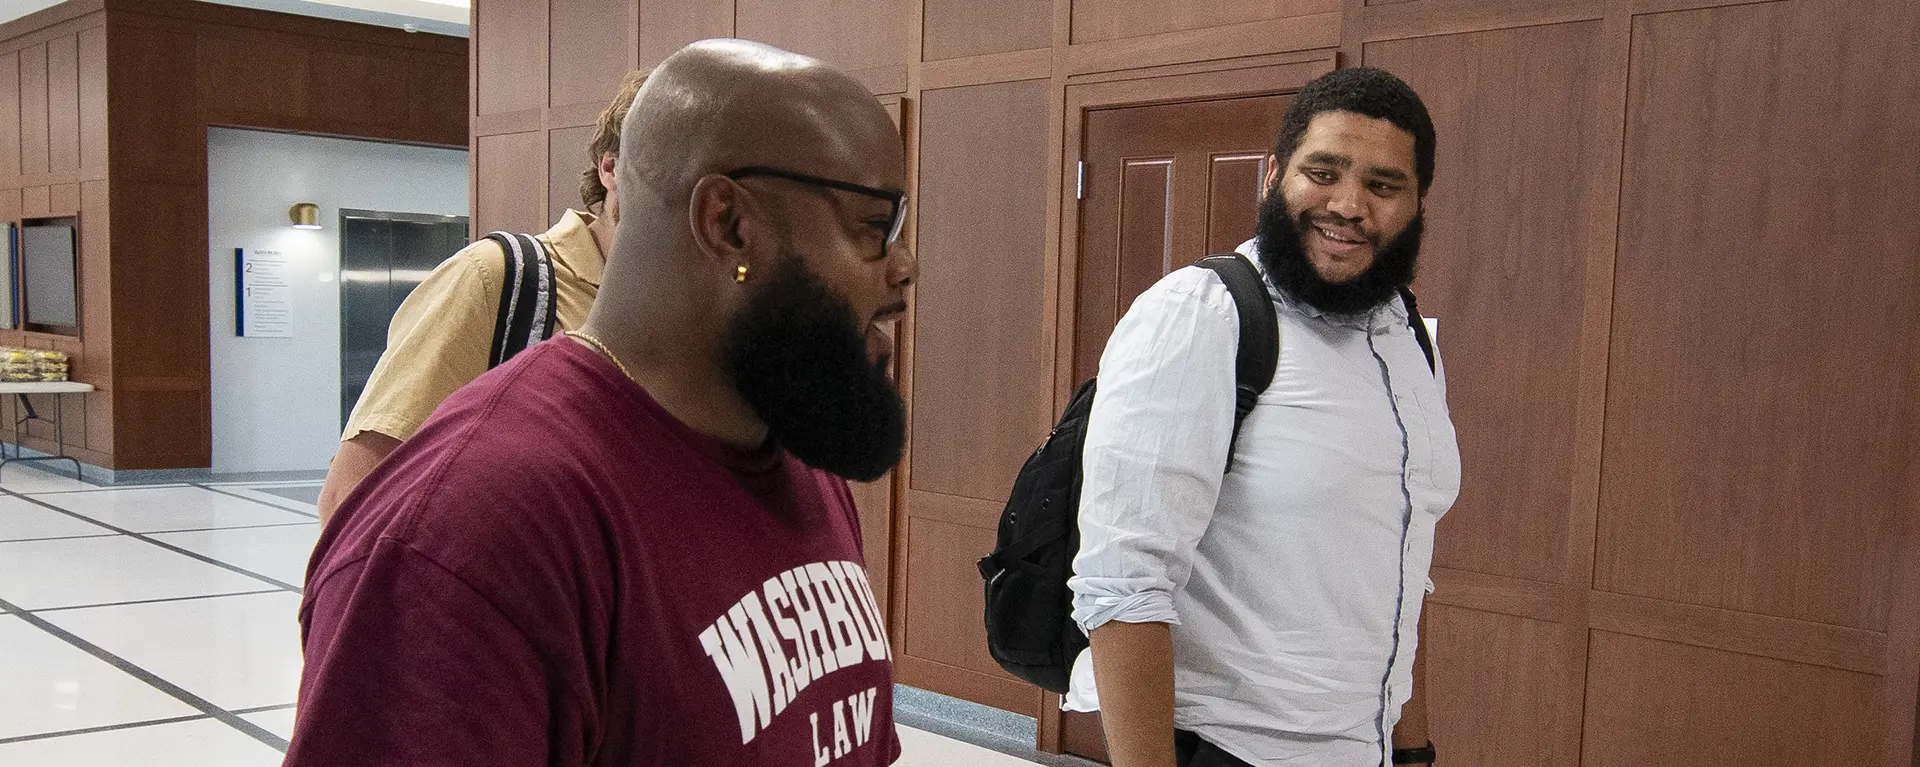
1259, 350
1419, 326
526, 314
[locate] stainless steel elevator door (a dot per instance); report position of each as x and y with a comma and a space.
383, 256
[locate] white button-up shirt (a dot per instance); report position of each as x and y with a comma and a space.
1296, 579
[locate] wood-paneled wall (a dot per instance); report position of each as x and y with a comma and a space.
1675, 278
53, 162
163, 71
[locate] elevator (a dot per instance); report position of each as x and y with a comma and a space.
383, 256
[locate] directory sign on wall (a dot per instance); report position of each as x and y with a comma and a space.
263, 294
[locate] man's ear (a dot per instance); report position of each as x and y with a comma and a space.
1273, 172
608, 178
719, 214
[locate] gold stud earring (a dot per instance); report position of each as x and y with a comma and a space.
740, 273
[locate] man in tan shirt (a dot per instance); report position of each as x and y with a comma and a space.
441, 336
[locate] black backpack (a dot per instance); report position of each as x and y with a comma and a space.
1029, 608
527, 297
1030, 628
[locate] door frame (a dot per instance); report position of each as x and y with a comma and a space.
1278, 74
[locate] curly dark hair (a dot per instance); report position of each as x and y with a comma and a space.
606, 138
1367, 91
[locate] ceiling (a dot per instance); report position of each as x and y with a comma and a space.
445, 17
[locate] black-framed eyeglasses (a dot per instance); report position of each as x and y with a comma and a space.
895, 222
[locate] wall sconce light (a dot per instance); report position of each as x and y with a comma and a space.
304, 215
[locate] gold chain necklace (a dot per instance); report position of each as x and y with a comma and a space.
601, 346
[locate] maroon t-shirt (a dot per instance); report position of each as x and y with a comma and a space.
556, 571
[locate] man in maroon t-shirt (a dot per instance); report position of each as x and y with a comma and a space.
633, 545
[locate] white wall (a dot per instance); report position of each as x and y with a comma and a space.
276, 401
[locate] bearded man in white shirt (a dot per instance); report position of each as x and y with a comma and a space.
1269, 615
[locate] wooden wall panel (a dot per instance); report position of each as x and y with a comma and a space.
147, 66
1761, 410
850, 34
504, 200
1098, 20
874, 502
63, 199
33, 109
146, 253
1498, 681
10, 115
161, 402
566, 159
10, 207
1520, 116
36, 201
96, 290
440, 101
510, 48
960, 28
587, 50
94, 362
63, 104
980, 400
169, 421
669, 25
99, 437
944, 600
1655, 703
349, 86
1402, 19
250, 75
92, 99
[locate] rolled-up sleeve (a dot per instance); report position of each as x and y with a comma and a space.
1156, 448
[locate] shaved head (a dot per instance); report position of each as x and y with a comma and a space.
757, 269
718, 105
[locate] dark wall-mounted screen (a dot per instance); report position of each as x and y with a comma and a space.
47, 271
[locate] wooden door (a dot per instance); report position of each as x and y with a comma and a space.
874, 500
1163, 186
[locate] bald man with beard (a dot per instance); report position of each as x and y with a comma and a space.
634, 544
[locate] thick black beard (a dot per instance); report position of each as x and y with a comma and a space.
1284, 254
796, 355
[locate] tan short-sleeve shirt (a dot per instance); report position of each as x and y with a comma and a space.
442, 334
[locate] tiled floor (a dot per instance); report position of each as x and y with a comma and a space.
154, 626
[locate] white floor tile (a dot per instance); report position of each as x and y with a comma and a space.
103, 488
919, 748
47, 685
276, 552
278, 721
238, 651
258, 492
27, 479
148, 510
228, 484
300, 495
199, 743
20, 519
88, 571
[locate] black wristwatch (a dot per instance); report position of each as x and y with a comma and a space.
1421, 755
